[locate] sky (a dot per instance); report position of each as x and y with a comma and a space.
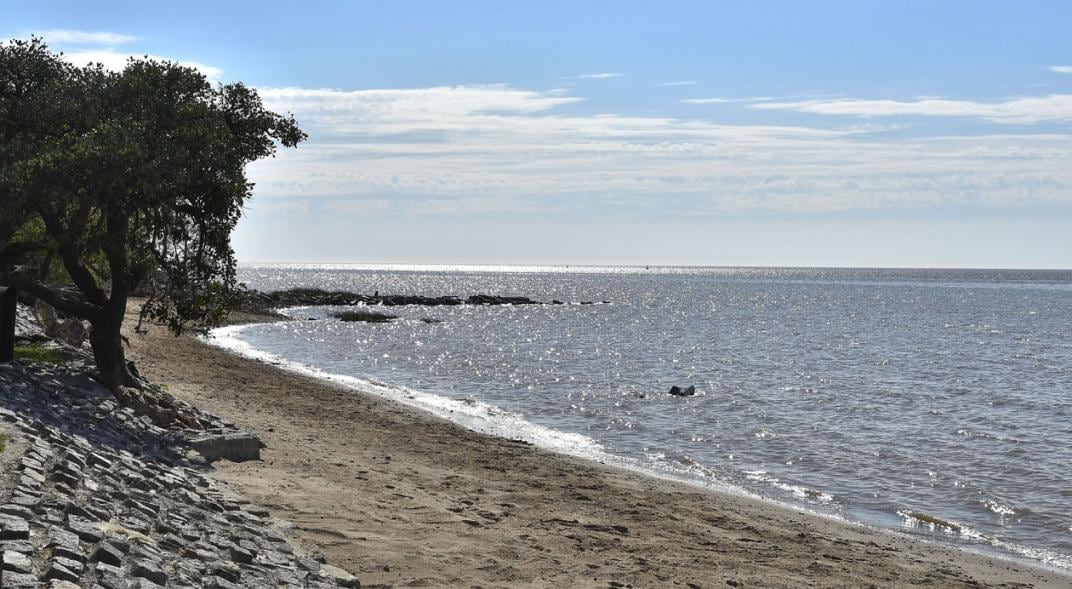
893, 133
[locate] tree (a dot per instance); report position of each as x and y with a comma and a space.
125, 179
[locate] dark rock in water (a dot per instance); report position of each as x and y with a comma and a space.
365, 316
494, 300
431, 320
678, 392
557, 302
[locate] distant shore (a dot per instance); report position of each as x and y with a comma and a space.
401, 498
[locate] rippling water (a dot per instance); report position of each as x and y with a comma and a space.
868, 394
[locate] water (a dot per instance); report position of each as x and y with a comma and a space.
864, 394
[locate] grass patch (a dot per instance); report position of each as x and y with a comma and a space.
364, 316
37, 353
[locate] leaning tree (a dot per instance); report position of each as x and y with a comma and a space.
121, 180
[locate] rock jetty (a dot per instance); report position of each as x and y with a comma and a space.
315, 296
256, 301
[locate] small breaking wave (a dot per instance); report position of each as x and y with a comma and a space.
798, 491
915, 520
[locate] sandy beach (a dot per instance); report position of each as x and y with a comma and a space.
403, 499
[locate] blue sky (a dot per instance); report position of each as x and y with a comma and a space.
769, 133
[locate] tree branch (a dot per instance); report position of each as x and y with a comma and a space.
66, 305
81, 275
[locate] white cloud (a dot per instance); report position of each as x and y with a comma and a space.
1024, 110
1061, 69
599, 76
723, 100
117, 60
84, 47
424, 110
83, 38
501, 150
714, 100
468, 114
681, 83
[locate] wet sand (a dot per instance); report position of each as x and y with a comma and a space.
404, 499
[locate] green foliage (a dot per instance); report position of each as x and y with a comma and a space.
37, 353
124, 181
365, 316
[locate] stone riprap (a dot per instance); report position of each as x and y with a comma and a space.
151, 401
97, 494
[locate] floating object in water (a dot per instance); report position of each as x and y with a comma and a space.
678, 392
928, 519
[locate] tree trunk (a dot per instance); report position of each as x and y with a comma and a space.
107, 343
107, 339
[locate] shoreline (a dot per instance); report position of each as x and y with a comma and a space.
449, 506
558, 443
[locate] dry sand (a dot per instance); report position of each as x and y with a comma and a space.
403, 499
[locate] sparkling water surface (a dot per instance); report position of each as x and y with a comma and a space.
867, 394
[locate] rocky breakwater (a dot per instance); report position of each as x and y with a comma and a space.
260, 302
315, 296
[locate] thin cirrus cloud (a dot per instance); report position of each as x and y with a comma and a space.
1024, 110
599, 76
501, 150
680, 83
72, 37
468, 113
1061, 69
724, 100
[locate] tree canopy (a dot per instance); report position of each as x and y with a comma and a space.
115, 181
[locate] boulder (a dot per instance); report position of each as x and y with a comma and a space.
343, 578
235, 446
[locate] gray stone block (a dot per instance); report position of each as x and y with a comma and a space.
343, 578
10, 580
60, 572
147, 570
17, 562
12, 528
108, 554
236, 447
